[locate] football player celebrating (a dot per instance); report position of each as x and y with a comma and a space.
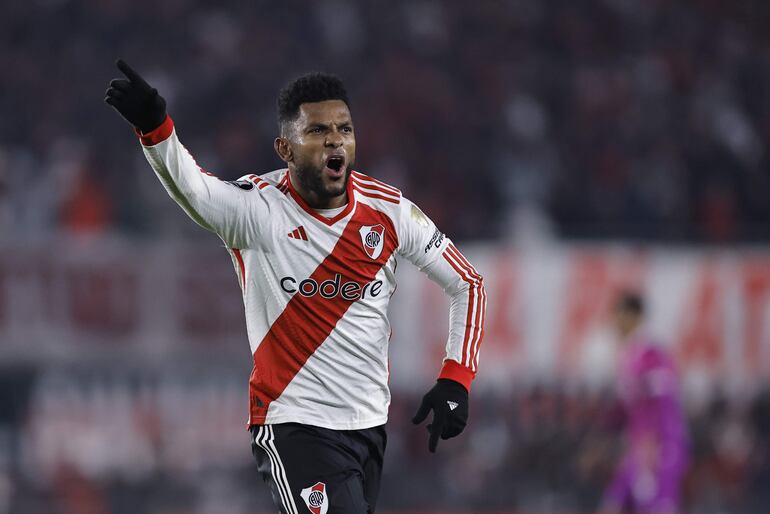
314, 247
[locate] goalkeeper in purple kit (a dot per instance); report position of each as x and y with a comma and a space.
649, 475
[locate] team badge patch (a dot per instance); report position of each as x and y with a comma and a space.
373, 237
315, 498
419, 216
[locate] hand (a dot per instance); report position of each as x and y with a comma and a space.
449, 401
135, 100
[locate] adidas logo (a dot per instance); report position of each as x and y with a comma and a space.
452, 405
298, 233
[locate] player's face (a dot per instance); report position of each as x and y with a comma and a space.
625, 322
323, 148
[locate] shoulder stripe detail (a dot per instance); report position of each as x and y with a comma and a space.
261, 184
283, 185
476, 305
374, 182
374, 188
376, 196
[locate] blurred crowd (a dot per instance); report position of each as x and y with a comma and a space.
602, 118
122, 441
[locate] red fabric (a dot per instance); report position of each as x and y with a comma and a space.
374, 187
453, 370
306, 322
157, 135
373, 195
386, 187
478, 284
239, 258
471, 300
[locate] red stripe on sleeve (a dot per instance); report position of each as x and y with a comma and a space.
469, 315
477, 284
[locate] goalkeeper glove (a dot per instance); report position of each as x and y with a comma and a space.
135, 100
449, 401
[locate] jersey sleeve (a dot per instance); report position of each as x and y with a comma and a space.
231, 210
434, 254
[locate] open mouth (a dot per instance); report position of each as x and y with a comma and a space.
335, 164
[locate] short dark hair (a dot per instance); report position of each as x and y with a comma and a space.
312, 87
631, 302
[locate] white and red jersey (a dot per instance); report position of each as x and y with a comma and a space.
316, 288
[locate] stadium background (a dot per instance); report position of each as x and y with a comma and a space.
571, 148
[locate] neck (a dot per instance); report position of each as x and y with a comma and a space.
313, 199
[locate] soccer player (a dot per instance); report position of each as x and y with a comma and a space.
314, 248
649, 475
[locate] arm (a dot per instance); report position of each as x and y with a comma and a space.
435, 255
231, 212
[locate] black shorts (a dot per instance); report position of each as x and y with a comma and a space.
318, 470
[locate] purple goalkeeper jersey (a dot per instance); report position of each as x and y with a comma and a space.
649, 475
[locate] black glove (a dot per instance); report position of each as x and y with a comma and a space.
135, 100
449, 401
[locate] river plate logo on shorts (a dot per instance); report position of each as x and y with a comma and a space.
372, 237
315, 498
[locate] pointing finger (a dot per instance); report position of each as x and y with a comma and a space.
436, 427
129, 72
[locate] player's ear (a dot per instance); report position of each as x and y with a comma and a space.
283, 149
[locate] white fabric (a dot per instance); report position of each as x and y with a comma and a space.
344, 383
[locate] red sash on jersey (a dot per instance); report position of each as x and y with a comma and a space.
307, 321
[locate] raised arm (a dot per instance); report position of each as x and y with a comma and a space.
229, 210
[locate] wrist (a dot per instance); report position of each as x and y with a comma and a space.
456, 372
157, 135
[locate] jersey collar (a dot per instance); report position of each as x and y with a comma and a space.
323, 219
